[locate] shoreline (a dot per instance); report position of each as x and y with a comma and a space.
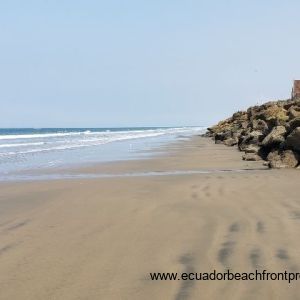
66, 148
100, 238
139, 166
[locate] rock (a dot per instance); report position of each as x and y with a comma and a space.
276, 136
252, 111
260, 125
285, 159
294, 123
222, 136
271, 104
294, 112
252, 138
237, 134
231, 142
240, 116
256, 136
273, 155
291, 102
293, 140
268, 131
218, 142
273, 115
252, 148
244, 124
290, 158
251, 157
244, 142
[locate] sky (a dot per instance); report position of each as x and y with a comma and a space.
72, 63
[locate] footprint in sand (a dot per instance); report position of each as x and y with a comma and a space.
225, 252
255, 258
228, 246
282, 254
234, 227
187, 260
260, 227
195, 196
295, 214
221, 190
206, 191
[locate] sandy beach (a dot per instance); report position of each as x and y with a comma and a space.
100, 238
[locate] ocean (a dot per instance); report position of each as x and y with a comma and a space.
28, 149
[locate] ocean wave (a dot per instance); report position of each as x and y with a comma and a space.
74, 140
21, 145
88, 132
78, 144
38, 135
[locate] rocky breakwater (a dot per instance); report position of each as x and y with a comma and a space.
269, 132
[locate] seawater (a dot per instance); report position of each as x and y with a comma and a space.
31, 148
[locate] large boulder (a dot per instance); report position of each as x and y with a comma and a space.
293, 140
231, 141
260, 125
293, 124
283, 159
251, 138
256, 136
294, 112
251, 157
222, 136
244, 142
240, 116
244, 124
252, 148
273, 115
291, 102
237, 134
253, 111
275, 137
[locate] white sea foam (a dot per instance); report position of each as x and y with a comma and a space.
61, 141
39, 135
21, 145
146, 132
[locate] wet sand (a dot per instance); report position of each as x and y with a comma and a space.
100, 238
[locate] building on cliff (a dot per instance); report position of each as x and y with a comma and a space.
296, 89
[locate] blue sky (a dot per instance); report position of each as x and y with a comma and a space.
143, 63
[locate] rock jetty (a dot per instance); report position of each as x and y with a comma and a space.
269, 132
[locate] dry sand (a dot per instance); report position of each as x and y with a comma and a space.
100, 238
